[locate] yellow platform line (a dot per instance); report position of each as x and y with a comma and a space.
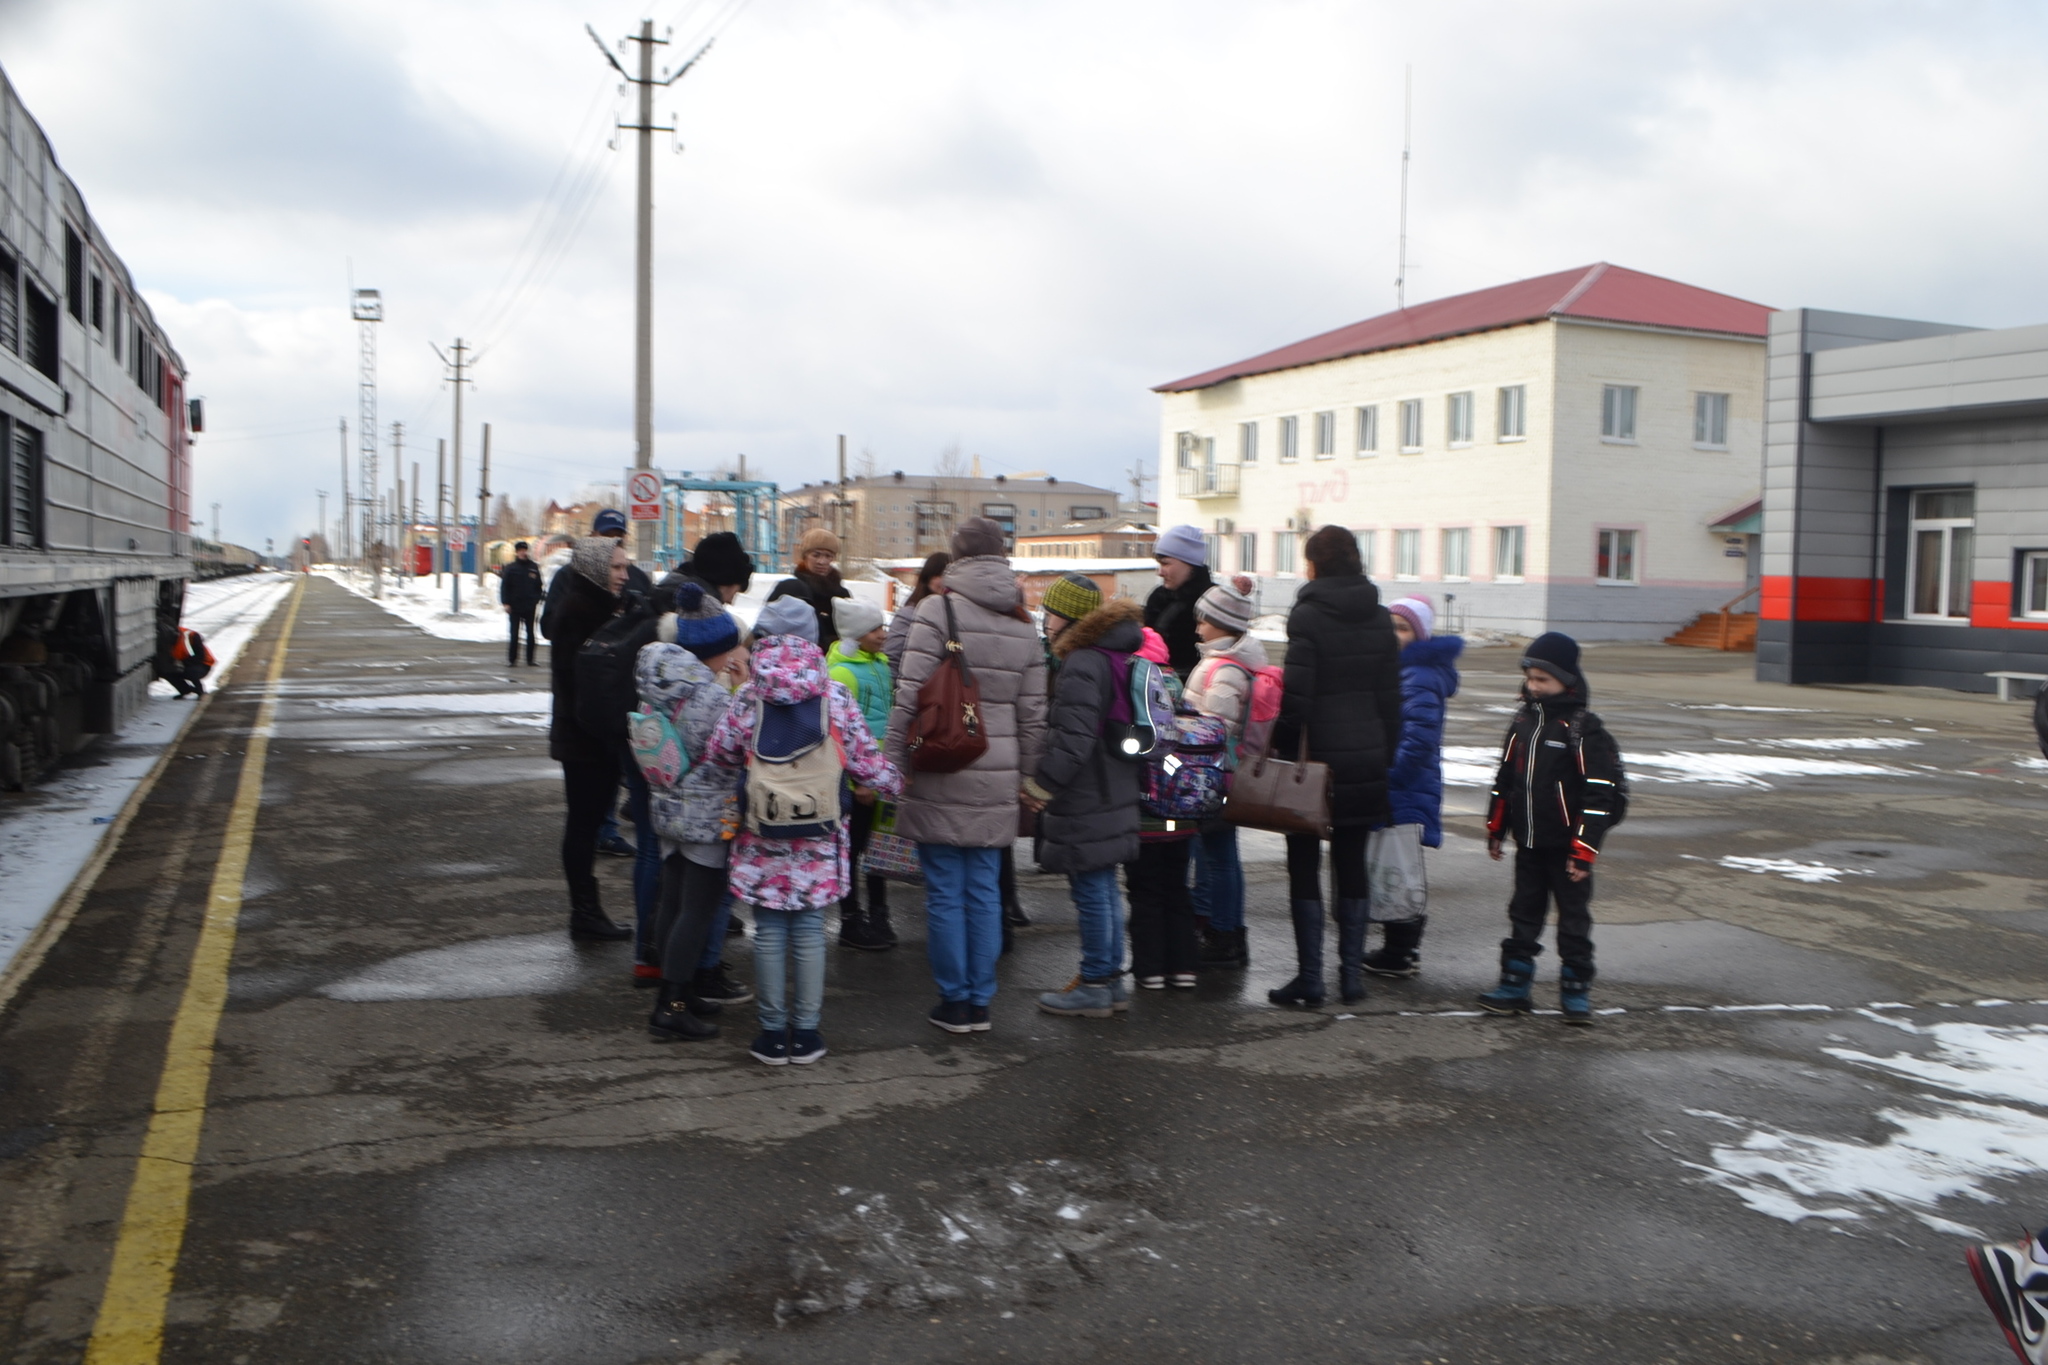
130, 1327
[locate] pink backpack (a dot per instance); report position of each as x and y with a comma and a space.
1267, 685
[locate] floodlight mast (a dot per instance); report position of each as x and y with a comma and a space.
366, 306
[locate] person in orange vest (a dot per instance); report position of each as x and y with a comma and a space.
190, 662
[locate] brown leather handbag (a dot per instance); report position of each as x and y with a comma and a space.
1288, 798
947, 733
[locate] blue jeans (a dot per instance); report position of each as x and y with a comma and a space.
646, 865
714, 945
1101, 909
963, 918
780, 938
1219, 880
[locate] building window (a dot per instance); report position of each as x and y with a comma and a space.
1369, 430
1214, 543
1407, 554
74, 273
1507, 552
98, 304
1944, 537
21, 497
1326, 435
1411, 425
1618, 412
1710, 420
1084, 514
1457, 553
2034, 584
1004, 515
114, 332
1290, 439
1458, 418
1615, 560
10, 303
1184, 449
1248, 552
1514, 412
39, 330
1283, 551
1368, 547
934, 521
1247, 442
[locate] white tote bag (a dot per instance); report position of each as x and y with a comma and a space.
1393, 865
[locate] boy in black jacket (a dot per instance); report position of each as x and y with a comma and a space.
1559, 790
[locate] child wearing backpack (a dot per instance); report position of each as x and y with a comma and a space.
856, 662
1223, 684
797, 736
1164, 949
1559, 790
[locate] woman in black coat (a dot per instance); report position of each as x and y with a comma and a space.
1344, 688
590, 763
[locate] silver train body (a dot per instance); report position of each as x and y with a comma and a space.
95, 468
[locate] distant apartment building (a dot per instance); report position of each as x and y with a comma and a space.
1573, 452
896, 515
1097, 538
1905, 513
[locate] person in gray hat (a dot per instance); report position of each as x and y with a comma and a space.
1221, 686
1183, 556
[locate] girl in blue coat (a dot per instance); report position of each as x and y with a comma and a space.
1415, 787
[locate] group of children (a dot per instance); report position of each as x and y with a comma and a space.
767, 776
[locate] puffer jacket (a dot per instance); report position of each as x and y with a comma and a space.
795, 874
899, 632
703, 808
1171, 612
823, 588
1221, 684
1560, 783
1092, 820
1344, 684
579, 609
977, 806
866, 676
1415, 780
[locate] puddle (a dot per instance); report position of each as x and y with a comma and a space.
529, 964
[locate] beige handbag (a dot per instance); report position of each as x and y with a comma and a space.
1288, 798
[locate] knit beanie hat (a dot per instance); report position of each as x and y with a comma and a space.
1225, 608
817, 538
1152, 645
721, 561
1557, 654
1184, 543
979, 536
1421, 616
1071, 596
854, 617
790, 615
592, 558
699, 624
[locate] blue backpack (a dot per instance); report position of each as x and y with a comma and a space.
1189, 778
1139, 726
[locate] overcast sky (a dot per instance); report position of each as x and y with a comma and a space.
994, 223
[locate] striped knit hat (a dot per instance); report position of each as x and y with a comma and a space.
1225, 608
1072, 596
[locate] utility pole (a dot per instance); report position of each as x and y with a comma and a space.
347, 503
1407, 126
366, 306
398, 526
839, 508
321, 494
440, 503
483, 507
216, 525
459, 363
643, 250
415, 496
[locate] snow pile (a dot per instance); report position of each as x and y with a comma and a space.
417, 602
1946, 1147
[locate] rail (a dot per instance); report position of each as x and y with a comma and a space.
1209, 481
1731, 604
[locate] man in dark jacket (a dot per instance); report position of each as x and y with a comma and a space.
1183, 557
519, 593
1344, 689
591, 585
1559, 790
1090, 799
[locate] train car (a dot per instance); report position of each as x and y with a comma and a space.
95, 468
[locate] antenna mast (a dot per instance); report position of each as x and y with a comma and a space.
1407, 127
366, 306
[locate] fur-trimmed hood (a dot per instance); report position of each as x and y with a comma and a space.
1100, 627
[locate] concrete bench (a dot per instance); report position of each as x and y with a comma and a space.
2006, 680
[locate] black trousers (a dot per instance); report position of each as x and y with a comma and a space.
690, 895
517, 617
1347, 865
1541, 877
591, 790
861, 828
1162, 914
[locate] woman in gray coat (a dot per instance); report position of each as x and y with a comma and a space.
962, 822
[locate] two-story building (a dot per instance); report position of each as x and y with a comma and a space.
894, 515
1572, 452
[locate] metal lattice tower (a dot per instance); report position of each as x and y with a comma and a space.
367, 308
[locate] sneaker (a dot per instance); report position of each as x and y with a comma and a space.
1182, 981
617, 847
1080, 999
771, 1049
718, 986
1120, 994
2013, 1277
977, 1018
1152, 983
806, 1045
954, 1016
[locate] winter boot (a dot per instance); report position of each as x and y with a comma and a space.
1511, 996
1575, 996
1353, 919
878, 911
1224, 948
588, 921
675, 1015
856, 930
1307, 987
1400, 955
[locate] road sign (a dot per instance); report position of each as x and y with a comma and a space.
643, 494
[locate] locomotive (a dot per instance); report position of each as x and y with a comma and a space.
95, 468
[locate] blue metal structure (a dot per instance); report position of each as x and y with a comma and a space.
754, 518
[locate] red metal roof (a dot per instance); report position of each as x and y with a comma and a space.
1603, 293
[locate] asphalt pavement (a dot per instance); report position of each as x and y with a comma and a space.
438, 1131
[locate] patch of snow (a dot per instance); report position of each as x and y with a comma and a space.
1810, 873
1990, 1123
1744, 770
417, 602
1847, 743
1470, 765
531, 703
1724, 706
528, 964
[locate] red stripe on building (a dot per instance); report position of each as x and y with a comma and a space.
1991, 607
1820, 599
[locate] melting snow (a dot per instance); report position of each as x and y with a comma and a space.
1473, 765
467, 703
1811, 873
1842, 743
1945, 1147
529, 964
